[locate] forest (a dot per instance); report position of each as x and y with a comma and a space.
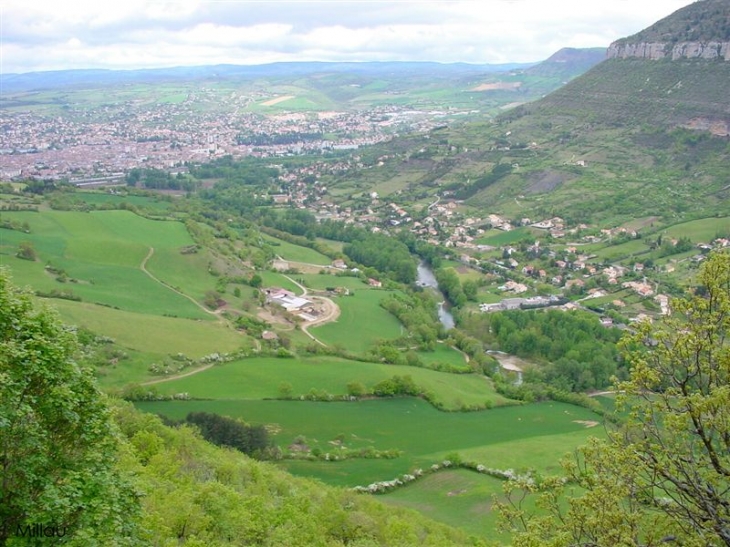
574, 351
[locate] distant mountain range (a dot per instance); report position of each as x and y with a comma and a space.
98, 77
567, 62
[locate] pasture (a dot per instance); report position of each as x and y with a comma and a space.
261, 377
102, 254
458, 497
407, 424
444, 354
163, 336
700, 231
361, 322
331, 280
295, 253
105, 199
498, 237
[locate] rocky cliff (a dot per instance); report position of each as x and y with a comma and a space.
660, 50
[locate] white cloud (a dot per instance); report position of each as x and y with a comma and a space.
49, 35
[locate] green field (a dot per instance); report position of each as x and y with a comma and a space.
324, 281
260, 377
458, 497
498, 237
163, 336
296, 253
407, 424
701, 231
102, 198
444, 354
361, 322
698, 231
102, 254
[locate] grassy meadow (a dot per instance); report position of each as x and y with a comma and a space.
422, 433
261, 377
638, 250
136, 287
95, 261
102, 254
104, 199
458, 497
361, 322
296, 253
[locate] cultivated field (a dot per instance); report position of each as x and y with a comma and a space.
261, 377
296, 253
361, 322
411, 425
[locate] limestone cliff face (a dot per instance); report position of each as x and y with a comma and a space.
659, 50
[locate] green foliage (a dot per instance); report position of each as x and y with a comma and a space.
158, 179
579, 353
58, 445
397, 385
224, 431
662, 477
198, 494
356, 389
26, 251
385, 254
450, 285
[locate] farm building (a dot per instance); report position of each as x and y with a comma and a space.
286, 299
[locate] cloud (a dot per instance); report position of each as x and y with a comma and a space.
46, 35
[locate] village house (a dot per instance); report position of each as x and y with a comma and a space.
514, 287
642, 289
574, 283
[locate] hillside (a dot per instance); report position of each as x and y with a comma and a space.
640, 136
699, 30
194, 493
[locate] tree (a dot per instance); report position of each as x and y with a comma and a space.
26, 251
663, 476
356, 389
57, 442
286, 390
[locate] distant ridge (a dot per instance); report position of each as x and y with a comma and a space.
101, 77
568, 62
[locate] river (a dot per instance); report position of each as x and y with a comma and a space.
426, 278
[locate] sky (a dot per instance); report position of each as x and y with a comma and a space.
40, 35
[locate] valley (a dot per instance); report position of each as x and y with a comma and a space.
430, 286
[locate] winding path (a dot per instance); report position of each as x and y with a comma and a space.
143, 267
177, 376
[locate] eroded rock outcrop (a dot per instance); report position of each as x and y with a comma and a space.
658, 50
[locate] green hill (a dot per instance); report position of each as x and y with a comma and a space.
706, 20
641, 136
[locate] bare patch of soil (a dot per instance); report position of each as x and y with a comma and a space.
546, 181
509, 86
277, 100
587, 423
